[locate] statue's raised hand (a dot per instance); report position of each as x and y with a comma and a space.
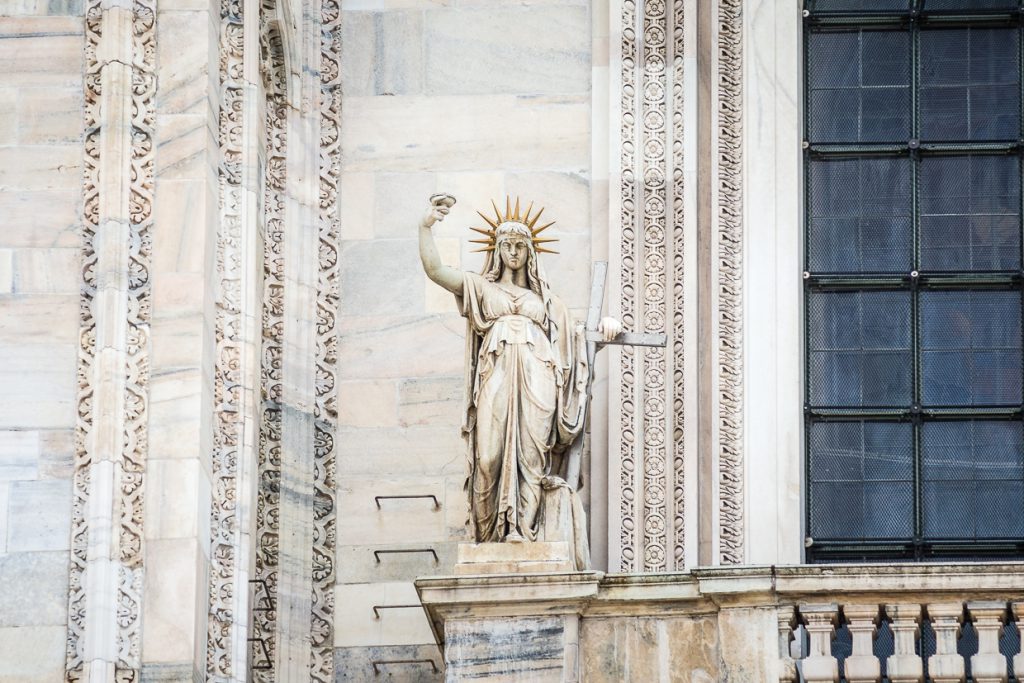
440, 205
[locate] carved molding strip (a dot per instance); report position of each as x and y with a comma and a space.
729, 367
654, 119
627, 275
651, 272
268, 497
228, 370
678, 295
111, 441
326, 412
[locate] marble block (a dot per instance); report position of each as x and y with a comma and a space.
513, 558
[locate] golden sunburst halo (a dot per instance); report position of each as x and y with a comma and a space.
512, 215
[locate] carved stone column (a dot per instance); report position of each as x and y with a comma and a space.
106, 574
819, 666
904, 665
652, 521
946, 665
862, 666
787, 622
988, 665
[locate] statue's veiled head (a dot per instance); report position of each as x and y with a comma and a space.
514, 245
512, 240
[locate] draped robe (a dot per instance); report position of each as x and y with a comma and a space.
526, 396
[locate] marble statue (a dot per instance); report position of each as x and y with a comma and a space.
527, 381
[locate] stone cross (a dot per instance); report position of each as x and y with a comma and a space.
595, 342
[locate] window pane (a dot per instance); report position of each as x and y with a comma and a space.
865, 470
935, 5
973, 478
831, 5
859, 349
971, 348
969, 84
970, 213
859, 86
860, 218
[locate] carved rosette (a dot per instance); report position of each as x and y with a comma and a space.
651, 257
326, 411
106, 133
227, 375
729, 264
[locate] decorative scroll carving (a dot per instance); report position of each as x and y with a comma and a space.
627, 274
271, 383
678, 290
120, 460
227, 378
652, 260
326, 412
730, 283
86, 344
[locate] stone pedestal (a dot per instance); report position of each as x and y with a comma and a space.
522, 626
514, 558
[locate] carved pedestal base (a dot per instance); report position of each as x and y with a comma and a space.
514, 558
510, 627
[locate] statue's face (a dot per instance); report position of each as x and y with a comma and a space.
513, 252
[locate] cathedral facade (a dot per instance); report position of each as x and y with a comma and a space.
230, 431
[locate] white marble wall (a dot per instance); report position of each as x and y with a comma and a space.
773, 374
478, 99
40, 202
177, 516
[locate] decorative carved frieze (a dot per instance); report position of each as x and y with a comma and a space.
728, 313
268, 497
651, 271
111, 443
326, 410
221, 658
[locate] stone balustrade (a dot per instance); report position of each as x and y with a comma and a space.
909, 623
945, 624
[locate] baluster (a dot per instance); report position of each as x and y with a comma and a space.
988, 666
787, 622
819, 666
862, 666
946, 665
1018, 659
905, 665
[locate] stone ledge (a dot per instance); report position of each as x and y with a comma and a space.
703, 590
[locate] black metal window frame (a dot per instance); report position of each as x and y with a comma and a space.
913, 16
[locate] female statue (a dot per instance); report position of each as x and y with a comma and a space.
526, 375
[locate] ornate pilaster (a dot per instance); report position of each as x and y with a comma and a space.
221, 660
727, 213
651, 246
106, 573
326, 410
268, 499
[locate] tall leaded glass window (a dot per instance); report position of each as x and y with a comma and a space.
915, 440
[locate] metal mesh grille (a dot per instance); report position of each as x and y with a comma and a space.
969, 83
860, 215
971, 348
859, 86
859, 351
869, 5
938, 5
970, 213
865, 469
913, 284
973, 479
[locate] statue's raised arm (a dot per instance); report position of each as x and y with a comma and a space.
446, 276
